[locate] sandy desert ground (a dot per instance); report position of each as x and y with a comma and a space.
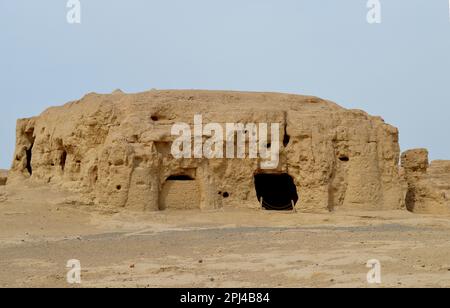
42, 228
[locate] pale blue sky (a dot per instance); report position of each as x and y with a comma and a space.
399, 69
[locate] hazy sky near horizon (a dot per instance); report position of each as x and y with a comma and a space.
398, 69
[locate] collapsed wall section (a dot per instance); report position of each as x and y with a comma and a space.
428, 184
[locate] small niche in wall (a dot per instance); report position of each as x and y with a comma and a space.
344, 158
163, 147
286, 137
63, 159
179, 178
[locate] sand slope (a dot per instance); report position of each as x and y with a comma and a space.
42, 228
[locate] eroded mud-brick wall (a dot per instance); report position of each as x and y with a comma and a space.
115, 150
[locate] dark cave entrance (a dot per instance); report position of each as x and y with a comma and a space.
276, 191
28, 153
62, 160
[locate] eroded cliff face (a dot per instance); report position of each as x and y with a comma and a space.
428, 184
116, 151
3, 177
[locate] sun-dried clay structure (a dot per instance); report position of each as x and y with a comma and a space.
428, 184
3, 177
115, 149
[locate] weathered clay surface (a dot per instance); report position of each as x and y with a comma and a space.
3, 177
115, 150
428, 184
3, 181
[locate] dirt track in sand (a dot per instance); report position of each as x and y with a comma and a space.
41, 229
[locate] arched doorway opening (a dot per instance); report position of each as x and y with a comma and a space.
180, 192
277, 192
